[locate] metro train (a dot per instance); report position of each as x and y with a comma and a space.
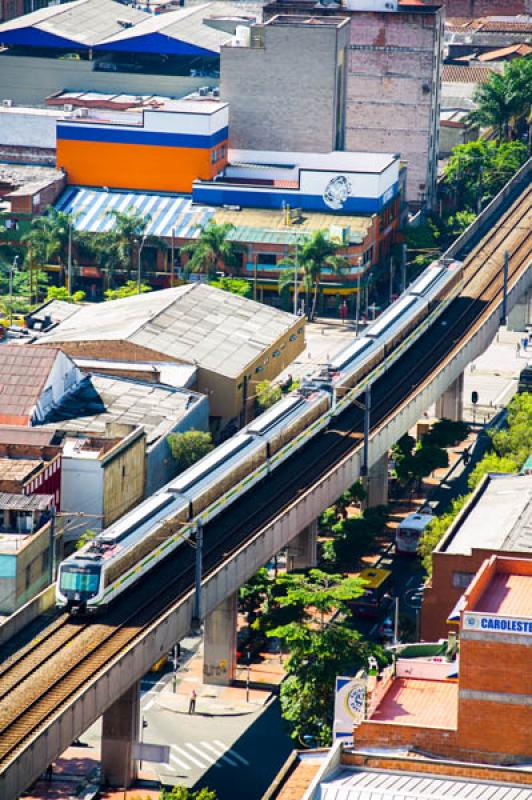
121, 554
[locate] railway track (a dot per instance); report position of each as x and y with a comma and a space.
40, 679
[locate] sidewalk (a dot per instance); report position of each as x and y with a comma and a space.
216, 701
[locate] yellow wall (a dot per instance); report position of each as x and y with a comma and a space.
124, 480
135, 166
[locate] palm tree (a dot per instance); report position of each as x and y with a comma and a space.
120, 248
499, 100
210, 250
47, 240
316, 254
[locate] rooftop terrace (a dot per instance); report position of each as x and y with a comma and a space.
413, 701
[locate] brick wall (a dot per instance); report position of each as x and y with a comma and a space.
393, 91
503, 729
486, 8
453, 770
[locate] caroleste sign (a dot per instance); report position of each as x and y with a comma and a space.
495, 623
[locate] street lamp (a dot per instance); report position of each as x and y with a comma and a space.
141, 245
13, 268
69, 259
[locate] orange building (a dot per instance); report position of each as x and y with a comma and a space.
160, 149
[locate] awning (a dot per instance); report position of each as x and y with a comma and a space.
91, 209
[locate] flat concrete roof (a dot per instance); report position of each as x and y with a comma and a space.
507, 594
500, 520
412, 701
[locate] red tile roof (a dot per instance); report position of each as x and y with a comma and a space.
513, 49
452, 73
24, 370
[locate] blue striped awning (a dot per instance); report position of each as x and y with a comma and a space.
90, 209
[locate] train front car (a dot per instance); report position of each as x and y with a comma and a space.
79, 581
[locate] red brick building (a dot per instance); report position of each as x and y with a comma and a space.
494, 521
485, 714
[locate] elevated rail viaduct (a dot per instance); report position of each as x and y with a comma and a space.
53, 686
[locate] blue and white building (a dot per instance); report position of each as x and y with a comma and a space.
339, 182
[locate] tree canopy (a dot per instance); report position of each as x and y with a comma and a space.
504, 98
211, 250
189, 447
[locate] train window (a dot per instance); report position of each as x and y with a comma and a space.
276, 353
259, 369
293, 337
82, 580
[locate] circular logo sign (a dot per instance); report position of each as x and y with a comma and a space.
355, 700
337, 191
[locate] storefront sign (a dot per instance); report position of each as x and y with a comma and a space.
493, 623
349, 706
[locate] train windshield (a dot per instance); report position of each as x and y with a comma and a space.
83, 580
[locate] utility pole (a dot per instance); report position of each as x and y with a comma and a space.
504, 289
367, 415
296, 269
69, 259
198, 572
141, 245
403, 266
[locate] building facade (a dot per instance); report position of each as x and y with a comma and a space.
285, 83
386, 74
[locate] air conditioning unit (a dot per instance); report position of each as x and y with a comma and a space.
124, 23
216, 91
68, 107
7, 102
82, 112
203, 91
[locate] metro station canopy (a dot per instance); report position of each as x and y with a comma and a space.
107, 25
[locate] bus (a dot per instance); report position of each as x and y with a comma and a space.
409, 530
376, 597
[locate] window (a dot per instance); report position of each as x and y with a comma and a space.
44, 562
276, 353
267, 258
259, 369
462, 579
293, 337
27, 577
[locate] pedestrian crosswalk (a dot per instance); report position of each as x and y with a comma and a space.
187, 756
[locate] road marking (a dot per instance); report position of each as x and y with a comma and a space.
186, 754
236, 755
206, 756
175, 760
223, 756
155, 687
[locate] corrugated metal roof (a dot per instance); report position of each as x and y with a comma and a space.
24, 370
83, 23
92, 207
194, 323
189, 25
23, 502
360, 784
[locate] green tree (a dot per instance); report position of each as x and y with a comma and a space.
515, 441
316, 254
181, 793
436, 530
62, 293
189, 447
211, 250
267, 394
129, 289
234, 285
317, 653
446, 433
476, 171
253, 593
87, 536
503, 98
491, 463
459, 222
47, 240
120, 247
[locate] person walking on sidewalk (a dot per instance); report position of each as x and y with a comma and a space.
192, 702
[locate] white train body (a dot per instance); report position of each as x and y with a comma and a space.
95, 575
